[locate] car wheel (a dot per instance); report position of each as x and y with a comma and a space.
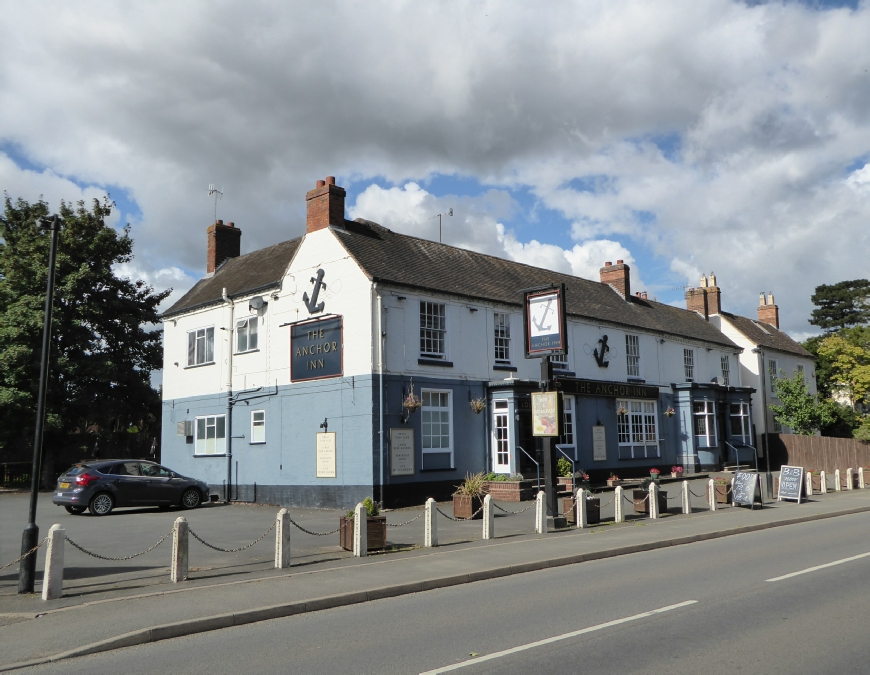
75, 510
101, 504
191, 498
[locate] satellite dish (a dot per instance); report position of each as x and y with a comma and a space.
256, 302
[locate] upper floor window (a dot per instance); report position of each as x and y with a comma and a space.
502, 324
200, 346
632, 355
772, 372
726, 370
800, 369
689, 364
559, 361
246, 334
433, 329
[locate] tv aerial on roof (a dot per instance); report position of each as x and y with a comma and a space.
213, 190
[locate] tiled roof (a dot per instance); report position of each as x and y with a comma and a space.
765, 335
407, 261
250, 272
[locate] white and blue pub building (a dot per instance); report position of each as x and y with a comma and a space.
336, 330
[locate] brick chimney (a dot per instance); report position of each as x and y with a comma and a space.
696, 301
224, 241
706, 299
768, 311
617, 276
325, 205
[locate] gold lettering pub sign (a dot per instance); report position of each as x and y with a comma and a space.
316, 349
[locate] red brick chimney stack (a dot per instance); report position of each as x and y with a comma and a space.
696, 301
617, 276
706, 299
768, 311
224, 241
325, 205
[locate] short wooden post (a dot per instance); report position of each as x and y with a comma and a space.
687, 502
809, 481
178, 569
540, 513
837, 486
282, 540
653, 500
850, 479
618, 512
711, 488
823, 482
861, 483
488, 518
52, 578
580, 517
430, 536
360, 532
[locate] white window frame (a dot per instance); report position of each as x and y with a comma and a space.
638, 429
501, 436
632, 355
725, 364
243, 327
569, 425
433, 329
200, 359
502, 336
200, 444
744, 421
689, 364
424, 409
258, 427
772, 372
559, 361
708, 416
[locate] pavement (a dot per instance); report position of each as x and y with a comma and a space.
113, 605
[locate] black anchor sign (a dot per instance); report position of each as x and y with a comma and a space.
599, 354
312, 304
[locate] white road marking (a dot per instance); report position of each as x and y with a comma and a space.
565, 636
819, 567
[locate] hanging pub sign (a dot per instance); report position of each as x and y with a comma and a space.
545, 413
545, 321
316, 349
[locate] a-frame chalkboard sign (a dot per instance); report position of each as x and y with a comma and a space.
791, 483
746, 489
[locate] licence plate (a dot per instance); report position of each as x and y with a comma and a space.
64, 485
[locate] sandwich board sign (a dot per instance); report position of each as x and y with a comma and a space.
747, 489
791, 483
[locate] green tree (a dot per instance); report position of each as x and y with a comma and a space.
104, 342
825, 383
801, 411
841, 305
848, 353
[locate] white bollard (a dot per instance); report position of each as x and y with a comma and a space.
282, 540
430, 537
52, 578
580, 517
541, 513
687, 503
824, 482
850, 479
711, 487
618, 513
861, 483
488, 518
360, 532
809, 481
178, 569
653, 500
837, 486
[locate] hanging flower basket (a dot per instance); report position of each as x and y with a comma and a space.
670, 412
621, 411
477, 405
412, 402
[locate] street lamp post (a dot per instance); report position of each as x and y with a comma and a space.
30, 537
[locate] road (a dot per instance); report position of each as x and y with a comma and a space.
792, 599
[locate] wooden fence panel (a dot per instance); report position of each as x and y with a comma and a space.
821, 453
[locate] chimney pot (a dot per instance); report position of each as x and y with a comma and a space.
608, 264
330, 180
219, 222
231, 224
768, 312
325, 205
319, 184
619, 262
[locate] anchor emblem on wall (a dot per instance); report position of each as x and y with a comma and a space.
602, 357
311, 303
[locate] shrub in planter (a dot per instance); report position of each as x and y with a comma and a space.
376, 528
468, 497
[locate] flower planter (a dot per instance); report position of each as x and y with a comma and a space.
723, 493
674, 474
613, 482
376, 533
467, 507
593, 510
510, 490
565, 484
641, 503
817, 483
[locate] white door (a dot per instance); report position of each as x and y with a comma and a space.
501, 447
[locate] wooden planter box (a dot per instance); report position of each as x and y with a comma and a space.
817, 483
844, 484
641, 504
613, 483
593, 510
510, 490
723, 493
376, 531
465, 507
565, 484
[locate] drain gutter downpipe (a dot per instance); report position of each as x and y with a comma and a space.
229, 426
380, 391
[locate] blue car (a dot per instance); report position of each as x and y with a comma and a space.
100, 486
